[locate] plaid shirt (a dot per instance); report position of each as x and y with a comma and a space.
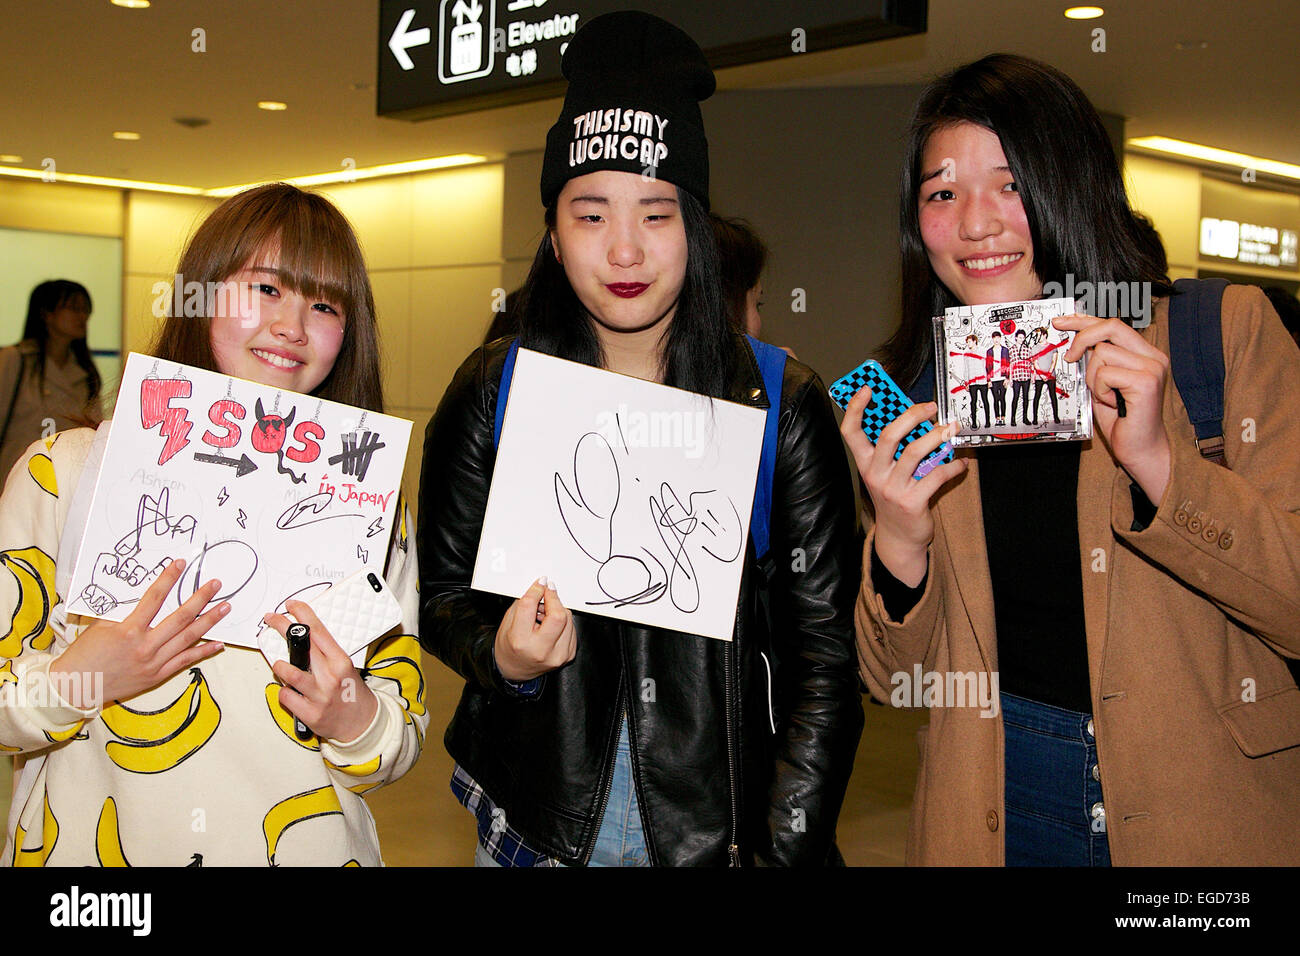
1022, 362
500, 839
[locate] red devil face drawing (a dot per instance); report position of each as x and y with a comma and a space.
268, 433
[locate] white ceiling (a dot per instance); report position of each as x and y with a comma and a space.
73, 71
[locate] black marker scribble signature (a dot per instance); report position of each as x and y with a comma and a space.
315, 504
681, 522
588, 512
153, 513
227, 560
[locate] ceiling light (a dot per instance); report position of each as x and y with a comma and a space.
125, 134
273, 105
131, 4
10, 158
1186, 45
342, 175
103, 181
368, 172
1211, 154
1083, 13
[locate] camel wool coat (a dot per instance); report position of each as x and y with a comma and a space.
1197, 718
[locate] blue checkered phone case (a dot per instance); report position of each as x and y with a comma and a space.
887, 402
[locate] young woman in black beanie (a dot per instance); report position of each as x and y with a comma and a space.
742, 753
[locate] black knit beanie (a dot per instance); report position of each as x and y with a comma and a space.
633, 105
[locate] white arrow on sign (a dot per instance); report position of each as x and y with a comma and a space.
463, 11
402, 40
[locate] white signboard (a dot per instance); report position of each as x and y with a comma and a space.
275, 493
634, 498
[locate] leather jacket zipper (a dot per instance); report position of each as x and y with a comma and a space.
728, 653
608, 785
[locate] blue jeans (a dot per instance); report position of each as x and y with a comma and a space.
620, 841
1054, 811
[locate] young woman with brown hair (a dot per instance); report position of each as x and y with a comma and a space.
226, 781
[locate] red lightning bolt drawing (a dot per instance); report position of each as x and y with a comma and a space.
156, 395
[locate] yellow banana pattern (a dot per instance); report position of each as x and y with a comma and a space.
33, 572
142, 725
293, 810
152, 743
42, 471
140, 745
284, 720
36, 856
108, 840
72, 732
396, 659
357, 769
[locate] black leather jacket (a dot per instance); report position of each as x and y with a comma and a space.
714, 782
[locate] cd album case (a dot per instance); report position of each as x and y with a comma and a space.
1001, 372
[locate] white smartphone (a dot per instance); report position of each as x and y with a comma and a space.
355, 610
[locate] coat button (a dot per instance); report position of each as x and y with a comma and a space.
1225, 540
992, 821
1088, 728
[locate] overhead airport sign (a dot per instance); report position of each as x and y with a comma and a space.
438, 57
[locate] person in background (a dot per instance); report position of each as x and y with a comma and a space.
742, 256
48, 381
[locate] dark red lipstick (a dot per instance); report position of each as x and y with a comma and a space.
627, 290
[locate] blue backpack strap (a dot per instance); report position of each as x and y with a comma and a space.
771, 363
1196, 359
507, 373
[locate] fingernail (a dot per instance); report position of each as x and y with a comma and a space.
224, 609
542, 581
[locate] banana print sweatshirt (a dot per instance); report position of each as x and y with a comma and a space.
203, 770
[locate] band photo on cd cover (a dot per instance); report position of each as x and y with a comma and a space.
1003, 374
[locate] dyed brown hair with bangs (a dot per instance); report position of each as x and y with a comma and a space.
318, 256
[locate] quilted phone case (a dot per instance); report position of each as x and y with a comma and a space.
357, 609
887, 402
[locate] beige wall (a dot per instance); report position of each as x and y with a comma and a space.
433, 245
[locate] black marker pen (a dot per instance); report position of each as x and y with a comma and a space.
299, 637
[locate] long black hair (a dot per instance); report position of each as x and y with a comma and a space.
698, 354
1067, 175
49, 297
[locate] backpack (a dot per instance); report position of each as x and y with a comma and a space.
771, 363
